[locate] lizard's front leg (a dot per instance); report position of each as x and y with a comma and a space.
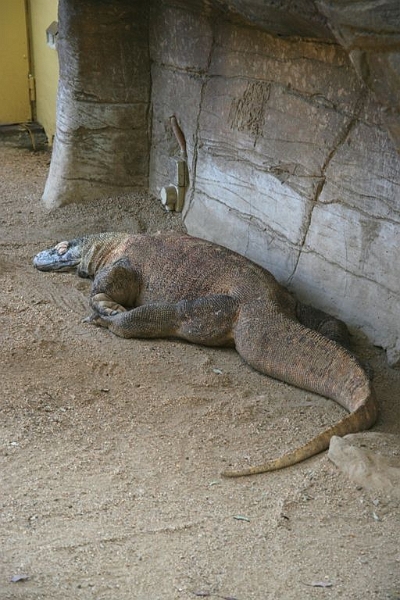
208, 320
114, 290
158, 319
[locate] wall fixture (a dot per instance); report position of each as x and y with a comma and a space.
173, 195
52, 35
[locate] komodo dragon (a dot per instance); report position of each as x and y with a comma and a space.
171, 285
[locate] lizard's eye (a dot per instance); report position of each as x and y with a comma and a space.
61, 248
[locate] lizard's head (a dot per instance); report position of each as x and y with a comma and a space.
65, 256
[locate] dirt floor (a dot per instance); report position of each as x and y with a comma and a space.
111, 450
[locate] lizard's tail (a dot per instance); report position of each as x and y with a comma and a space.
281, 347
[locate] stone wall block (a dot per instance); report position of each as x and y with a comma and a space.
364, 173
280, 17
350, 264
321, 72
300, 18
247, 120
210, 218
370, 32
180, 39
256, 194
358, 244
361, 302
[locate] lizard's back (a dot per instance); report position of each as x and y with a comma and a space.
179, 266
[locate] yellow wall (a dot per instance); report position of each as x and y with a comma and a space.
44, 62
14, 64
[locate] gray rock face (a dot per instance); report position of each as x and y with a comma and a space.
291, 113
370, 32
291, 162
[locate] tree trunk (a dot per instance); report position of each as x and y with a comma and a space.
101, 145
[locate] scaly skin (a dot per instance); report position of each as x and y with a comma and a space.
170, 285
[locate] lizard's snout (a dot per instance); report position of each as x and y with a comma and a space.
62, 257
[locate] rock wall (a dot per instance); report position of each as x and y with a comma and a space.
289, 156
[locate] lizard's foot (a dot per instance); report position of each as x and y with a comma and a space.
104, 305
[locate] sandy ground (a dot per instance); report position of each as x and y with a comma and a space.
111, 450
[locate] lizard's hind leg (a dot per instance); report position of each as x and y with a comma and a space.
280, 346
325, 324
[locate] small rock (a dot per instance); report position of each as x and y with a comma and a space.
18, 578
370, 470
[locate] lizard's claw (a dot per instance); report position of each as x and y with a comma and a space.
95, 319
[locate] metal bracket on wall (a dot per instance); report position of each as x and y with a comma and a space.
52, 35
173, 195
